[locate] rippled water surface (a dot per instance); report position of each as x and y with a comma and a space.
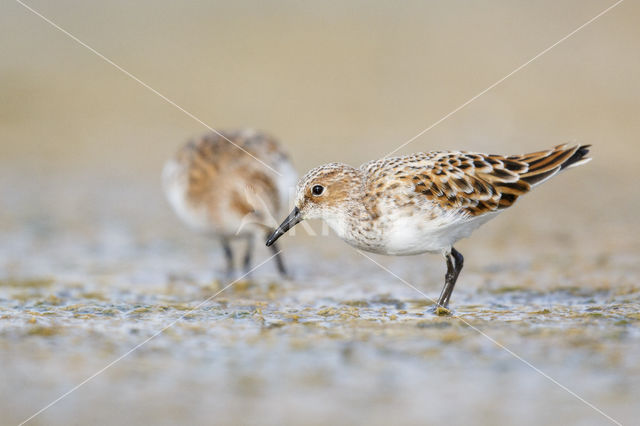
341, 341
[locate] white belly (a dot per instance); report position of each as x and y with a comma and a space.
414, 235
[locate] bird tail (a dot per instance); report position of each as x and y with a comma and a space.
542, 165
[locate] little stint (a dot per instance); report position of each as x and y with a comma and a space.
423, 202
218, 189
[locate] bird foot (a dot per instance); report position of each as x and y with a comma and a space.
441, 311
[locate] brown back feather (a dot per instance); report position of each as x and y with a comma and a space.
479, 183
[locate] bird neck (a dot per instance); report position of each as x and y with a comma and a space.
351, 213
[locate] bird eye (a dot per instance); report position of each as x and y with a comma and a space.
317, 190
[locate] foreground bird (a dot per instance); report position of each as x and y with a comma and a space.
228, 185
423, 202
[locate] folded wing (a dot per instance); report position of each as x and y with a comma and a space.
477, 184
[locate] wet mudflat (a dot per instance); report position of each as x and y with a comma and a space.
341, 341
262, 354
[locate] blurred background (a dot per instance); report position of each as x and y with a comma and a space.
84, 226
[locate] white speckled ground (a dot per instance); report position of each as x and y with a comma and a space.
343, 341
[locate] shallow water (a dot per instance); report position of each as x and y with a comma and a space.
342, 341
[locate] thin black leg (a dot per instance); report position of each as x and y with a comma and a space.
448, 279
459, 263
228, 254
455, 261
247, 256
279, 262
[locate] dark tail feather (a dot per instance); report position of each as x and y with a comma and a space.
580, 154
545, 164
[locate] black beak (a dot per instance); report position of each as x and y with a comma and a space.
291, 220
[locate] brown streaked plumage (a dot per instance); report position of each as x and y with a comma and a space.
423, 202
222, 190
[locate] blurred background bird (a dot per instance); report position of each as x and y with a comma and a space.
231, 185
